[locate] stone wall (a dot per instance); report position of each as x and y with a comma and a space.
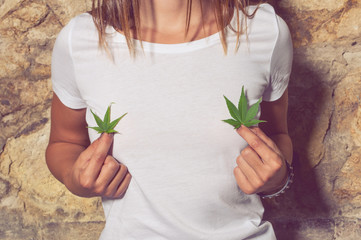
324, 122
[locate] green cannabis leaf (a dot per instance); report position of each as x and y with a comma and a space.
106, 126
243, 115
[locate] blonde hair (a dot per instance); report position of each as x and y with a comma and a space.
123, 15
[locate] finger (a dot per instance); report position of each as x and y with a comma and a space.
252, 158
88, 152
257, 144
242, 181
122, 188
265, 138
253, 176
107, 173
114, 183
97, 159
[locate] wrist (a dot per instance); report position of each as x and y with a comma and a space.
286, 183
279, 186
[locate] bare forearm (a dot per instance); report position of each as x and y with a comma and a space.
60, 158
284, 143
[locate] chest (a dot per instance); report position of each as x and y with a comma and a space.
171, 95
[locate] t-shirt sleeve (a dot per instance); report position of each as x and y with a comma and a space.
281, 63
63, 72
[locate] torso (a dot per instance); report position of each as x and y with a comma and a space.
179, 152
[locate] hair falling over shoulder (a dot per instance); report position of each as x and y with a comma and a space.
123, 16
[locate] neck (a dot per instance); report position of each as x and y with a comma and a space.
169, 16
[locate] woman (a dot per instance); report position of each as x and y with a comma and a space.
176, 171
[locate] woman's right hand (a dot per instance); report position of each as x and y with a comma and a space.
87, 170
96, 173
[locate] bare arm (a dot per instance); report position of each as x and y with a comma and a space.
86, 169
275, 113
68, 138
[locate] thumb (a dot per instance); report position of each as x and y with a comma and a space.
104, 143
245, 132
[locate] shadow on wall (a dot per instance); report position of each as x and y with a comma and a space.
302, 206
302, 211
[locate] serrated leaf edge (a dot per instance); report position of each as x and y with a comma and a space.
244, 115
253, 110
105, 126
233, 110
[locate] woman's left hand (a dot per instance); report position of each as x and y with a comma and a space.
261, 165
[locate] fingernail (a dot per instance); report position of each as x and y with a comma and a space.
109, 134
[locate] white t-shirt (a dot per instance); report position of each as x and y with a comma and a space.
180, 154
